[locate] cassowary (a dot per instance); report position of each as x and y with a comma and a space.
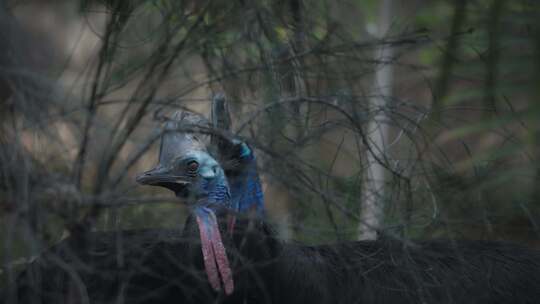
186, 168
240, 260
383, 271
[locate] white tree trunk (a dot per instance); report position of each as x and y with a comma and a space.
374, 181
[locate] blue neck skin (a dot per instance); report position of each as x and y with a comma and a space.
243, 194
246, 189
217, 200
218, 197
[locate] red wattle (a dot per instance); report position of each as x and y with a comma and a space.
221, 257
208, 254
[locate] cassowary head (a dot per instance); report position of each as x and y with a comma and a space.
183, 161
186, 168
194, 176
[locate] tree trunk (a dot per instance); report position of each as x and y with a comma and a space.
374, 182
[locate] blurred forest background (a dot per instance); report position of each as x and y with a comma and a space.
415, 118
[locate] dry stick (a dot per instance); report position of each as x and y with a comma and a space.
147, 82
419, 38
133, 159
112, 28
144, 84
492, 69
354, 122
134, 120
157, 59
441, 87
80, 159
109, 158
229, 73
326, 203
394, 42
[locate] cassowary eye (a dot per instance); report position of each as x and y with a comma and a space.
192, 166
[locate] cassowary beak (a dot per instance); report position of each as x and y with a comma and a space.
162, 177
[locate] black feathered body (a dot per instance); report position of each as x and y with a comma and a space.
166, 267
427, 272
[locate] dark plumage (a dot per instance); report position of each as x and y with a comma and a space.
164, 267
